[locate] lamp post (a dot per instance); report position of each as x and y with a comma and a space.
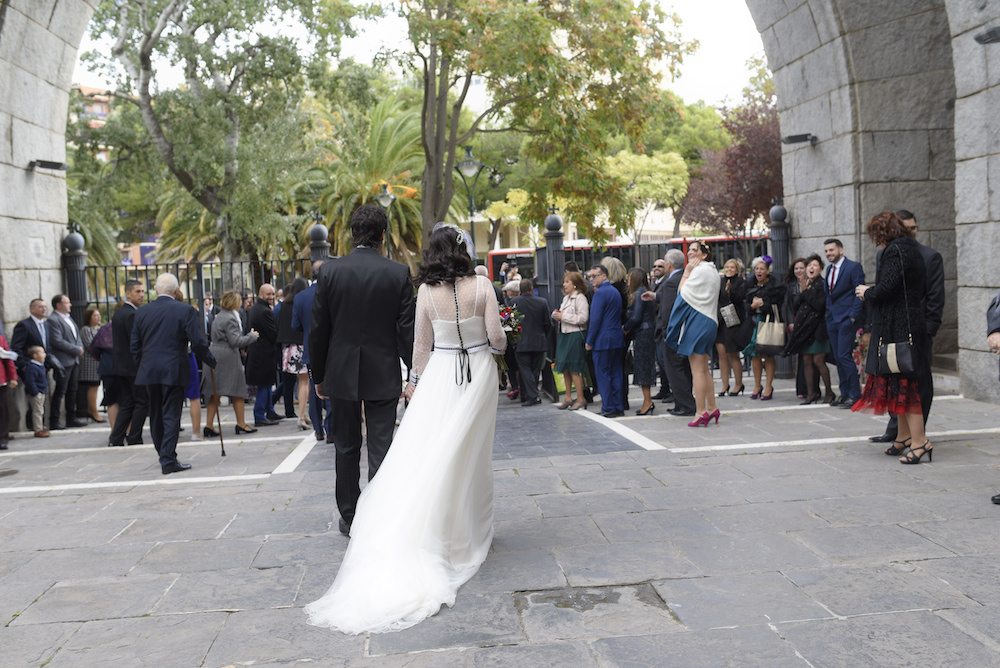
319, 247
470, 168
386, 198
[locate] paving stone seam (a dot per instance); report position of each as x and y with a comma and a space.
947, 615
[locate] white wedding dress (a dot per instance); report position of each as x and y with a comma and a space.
424, 523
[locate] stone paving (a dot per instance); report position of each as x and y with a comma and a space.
778, 538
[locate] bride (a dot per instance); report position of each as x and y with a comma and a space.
425, 522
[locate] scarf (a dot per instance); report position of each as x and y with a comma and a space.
701, 290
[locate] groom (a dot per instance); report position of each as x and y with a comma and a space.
362, 325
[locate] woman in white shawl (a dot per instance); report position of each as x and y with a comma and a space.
694, 322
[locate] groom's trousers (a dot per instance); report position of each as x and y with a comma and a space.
380, 421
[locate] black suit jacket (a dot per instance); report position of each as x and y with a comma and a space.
160, 336
25, 336
666, 294
535, 323
362, 325
262, 355
121, 333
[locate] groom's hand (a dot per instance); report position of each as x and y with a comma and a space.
408, 391
319, 392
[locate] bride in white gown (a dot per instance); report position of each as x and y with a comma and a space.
424, 524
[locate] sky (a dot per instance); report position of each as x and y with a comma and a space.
717, 71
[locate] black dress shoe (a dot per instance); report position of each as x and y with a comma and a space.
56, 427
265, 423
681, 412
176, 467
668, 398
849, 403
3, 446
76, 423
116, 445
136, 442
996, 499
659, 395
274, 416
329, 438
613, 414
884, 438
532, 402
344, 527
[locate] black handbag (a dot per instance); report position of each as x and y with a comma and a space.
897, 357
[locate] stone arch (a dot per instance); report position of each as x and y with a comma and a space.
891, 91
39, 40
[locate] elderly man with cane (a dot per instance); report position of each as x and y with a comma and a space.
160, 338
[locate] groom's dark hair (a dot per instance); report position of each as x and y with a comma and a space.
368, 224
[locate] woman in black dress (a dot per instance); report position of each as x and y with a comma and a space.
732, 292
641, 325
807, 330
896, 317
762, 293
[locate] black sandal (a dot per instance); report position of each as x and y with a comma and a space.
893, 451
913, 458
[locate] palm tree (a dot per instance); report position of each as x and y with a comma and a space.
391, 154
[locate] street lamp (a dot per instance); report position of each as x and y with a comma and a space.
386, 198
470, 168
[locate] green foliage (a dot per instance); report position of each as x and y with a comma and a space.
229, 135
565, 74
652, 182
390, 154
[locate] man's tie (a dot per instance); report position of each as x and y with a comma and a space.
41, 332
833, 272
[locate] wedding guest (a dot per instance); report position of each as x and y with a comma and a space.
605, 339
808, 335
89, 377
295, 375
993, 339
229, 380
693, 326
763, 295
795, 282
36, 385
617, 275
8, 379
897, 316
641, 325
571, 361
731, 293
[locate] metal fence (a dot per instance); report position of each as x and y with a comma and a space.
105, 285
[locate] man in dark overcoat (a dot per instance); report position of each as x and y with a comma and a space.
262, 356
133, 401
536, 323
362, 326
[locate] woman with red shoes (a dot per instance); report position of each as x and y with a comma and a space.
694, 323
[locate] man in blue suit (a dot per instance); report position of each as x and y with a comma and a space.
606, 340
160, 337
301, 321
843, 310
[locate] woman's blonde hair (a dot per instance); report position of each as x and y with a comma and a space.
735, 260
616, 269
759, 260
231, 301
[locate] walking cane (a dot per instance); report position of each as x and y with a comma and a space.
218, 413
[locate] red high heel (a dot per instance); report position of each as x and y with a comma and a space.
703, 420
715, 414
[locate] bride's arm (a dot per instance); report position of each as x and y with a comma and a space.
423, 337
494, 329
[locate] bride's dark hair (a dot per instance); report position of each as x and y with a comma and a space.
445, 258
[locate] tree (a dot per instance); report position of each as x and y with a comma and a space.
243, 77
390, 155
653, 182
566, 74
736, 186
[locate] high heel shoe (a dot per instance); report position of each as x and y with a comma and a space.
244, 430
724, 392
303, 426
714, 414
738, 392
766, 397
210, 433
893, 451
648, 411
913, 458
565, 404
829, 397
703, 420
757, 392
810, 400
577, 405
95, 418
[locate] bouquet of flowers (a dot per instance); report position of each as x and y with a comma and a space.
510, 319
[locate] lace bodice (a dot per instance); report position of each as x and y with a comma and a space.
478, 318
